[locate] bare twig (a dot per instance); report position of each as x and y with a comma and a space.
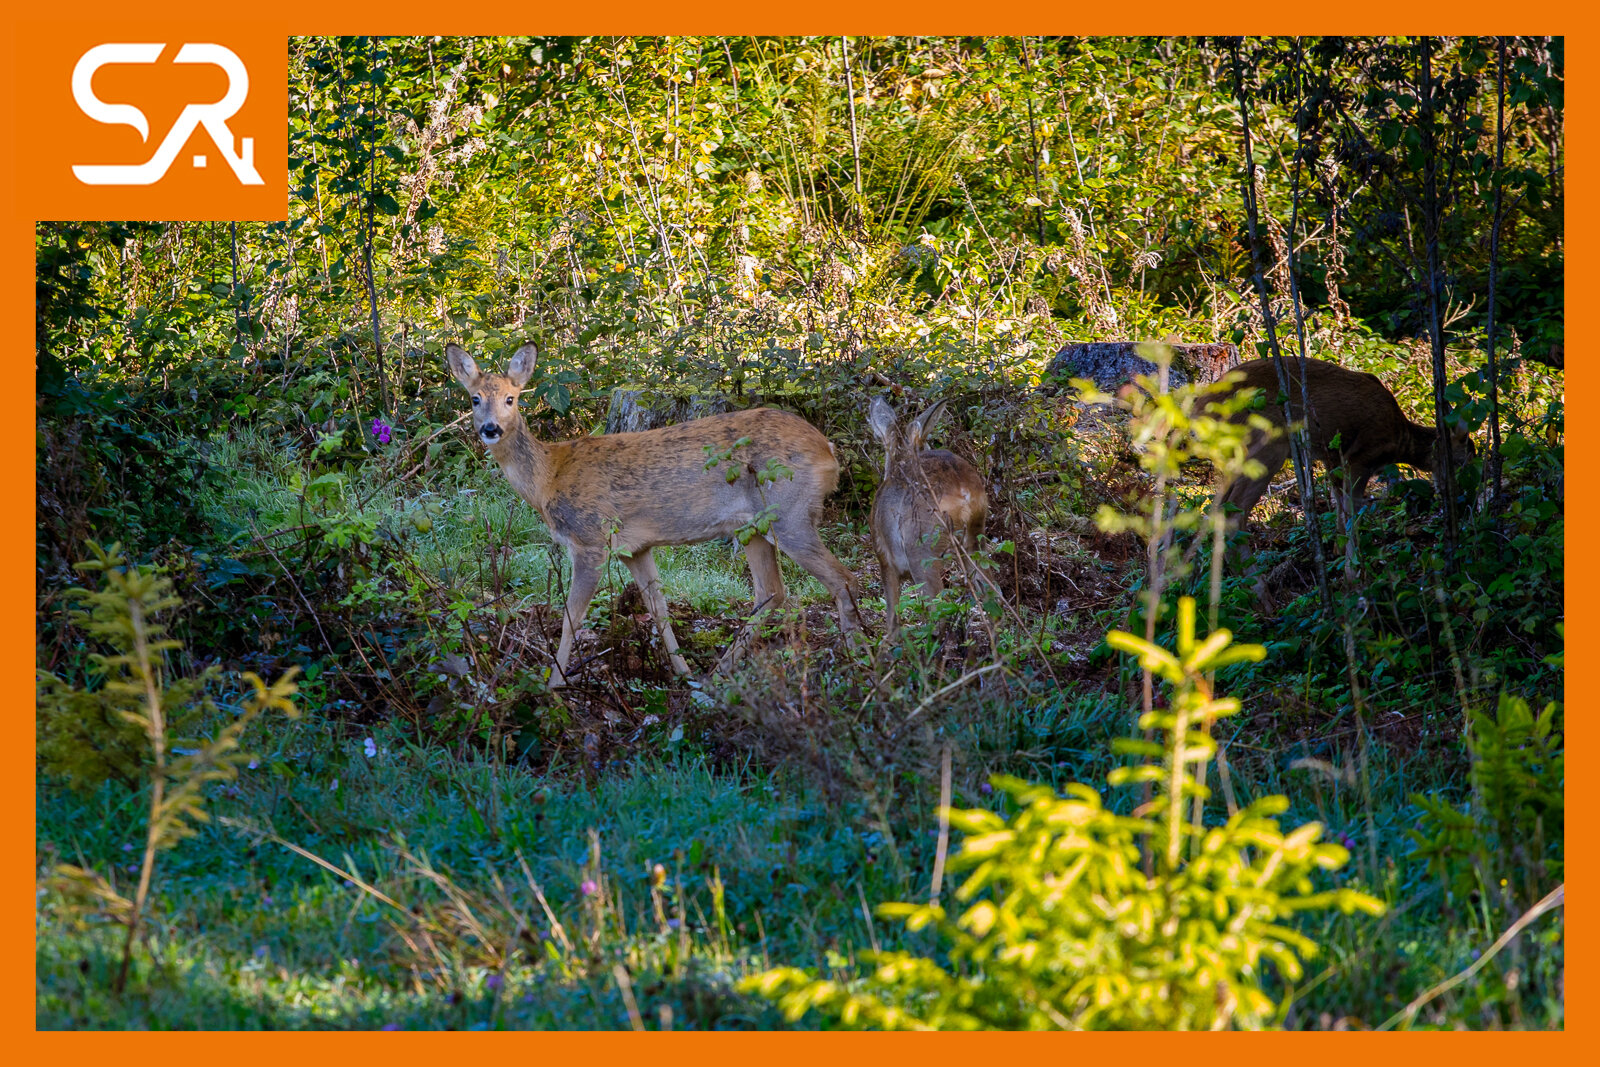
957, 684
349, 876
620, 973
944, 825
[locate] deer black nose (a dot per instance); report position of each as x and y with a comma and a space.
490, 431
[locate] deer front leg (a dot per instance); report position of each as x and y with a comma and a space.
586, 568
642, 565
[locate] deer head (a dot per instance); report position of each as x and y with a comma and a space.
494, 396
901, 443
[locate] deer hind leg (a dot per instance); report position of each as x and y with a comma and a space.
973, 574
801, 543
768, 591
945, 554
642, 565
935, 552
981, 583
586, 569
766, 577
890, 571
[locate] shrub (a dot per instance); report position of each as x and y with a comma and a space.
1080, 918
1503, 847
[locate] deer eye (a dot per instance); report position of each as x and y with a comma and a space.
475, 401
511, 401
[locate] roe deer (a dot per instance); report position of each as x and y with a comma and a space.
1352, 406
628, 492
927, 497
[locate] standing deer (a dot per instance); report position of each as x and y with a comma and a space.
1351, 406
627, 493
930, 500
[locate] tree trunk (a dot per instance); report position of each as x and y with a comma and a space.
1430, 227
368, 216
1299, 446
850, 98
1494, 270
633, 410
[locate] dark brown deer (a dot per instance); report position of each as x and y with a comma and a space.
930, 502
627, 493
1350, 407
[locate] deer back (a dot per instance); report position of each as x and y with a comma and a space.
1352, 407
633, 491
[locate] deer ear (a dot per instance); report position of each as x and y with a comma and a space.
880, 417
925, 423
521, 367
461, 365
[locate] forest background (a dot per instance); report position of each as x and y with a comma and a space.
260, 414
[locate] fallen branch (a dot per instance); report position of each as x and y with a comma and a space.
957, 684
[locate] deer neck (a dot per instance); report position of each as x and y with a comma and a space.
526, 462
1423, 441
906, 464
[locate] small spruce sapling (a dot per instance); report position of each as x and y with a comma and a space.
123, 613
1061, 927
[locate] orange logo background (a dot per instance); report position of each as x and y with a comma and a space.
54, 134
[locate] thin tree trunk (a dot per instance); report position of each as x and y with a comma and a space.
1430, 228
156, 732
1033, 140
1299, 447
1494, 270
366, 248
1352, 670
850, 98
233, 252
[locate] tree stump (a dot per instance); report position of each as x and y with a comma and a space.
633, 410
1113, 364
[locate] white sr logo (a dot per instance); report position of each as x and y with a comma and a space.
214, 117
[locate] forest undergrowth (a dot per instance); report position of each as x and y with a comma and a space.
259, 416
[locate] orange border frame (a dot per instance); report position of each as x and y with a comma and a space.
17, 621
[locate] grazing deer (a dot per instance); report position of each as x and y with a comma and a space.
629, 492
1352, 406
928, 497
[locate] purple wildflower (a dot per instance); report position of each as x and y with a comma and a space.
390, 1026
986, 789
589, 888
381, 430
493, 982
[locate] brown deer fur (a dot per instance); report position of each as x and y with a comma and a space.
1353, 406
927, 497
627, 493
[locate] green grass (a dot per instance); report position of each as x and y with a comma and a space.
250, 935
